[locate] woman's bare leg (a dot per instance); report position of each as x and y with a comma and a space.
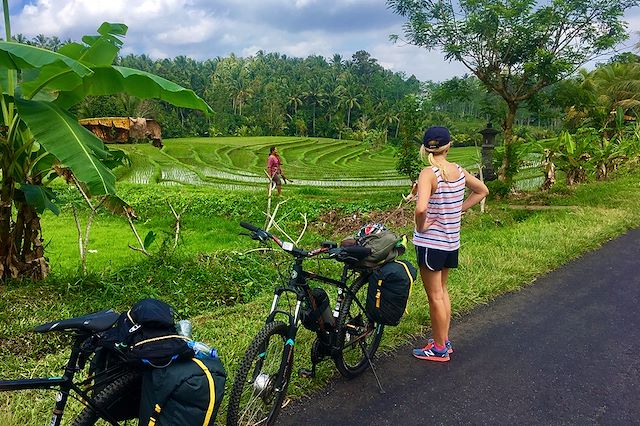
447, 301
439, 305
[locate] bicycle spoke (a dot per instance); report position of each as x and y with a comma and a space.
255, 398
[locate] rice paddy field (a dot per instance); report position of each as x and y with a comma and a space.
239, 163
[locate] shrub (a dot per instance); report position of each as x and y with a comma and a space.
498, 189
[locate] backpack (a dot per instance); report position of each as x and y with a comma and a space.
388, 291
385, 244
186, 393
146, 335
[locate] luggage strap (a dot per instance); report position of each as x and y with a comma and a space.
212, 390
212, 397
404, 265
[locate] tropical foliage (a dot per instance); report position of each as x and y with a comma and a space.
270, 94
515, 47
40, 139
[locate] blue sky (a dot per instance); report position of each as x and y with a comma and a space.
205, 29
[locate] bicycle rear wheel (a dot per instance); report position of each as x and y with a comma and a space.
358, 336
261, 382
113, 399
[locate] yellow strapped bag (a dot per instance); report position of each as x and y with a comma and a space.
388, 291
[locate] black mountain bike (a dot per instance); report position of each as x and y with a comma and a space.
110, 394
347, 335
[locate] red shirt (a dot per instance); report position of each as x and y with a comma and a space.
273, 165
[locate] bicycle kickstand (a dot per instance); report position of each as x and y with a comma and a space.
373, 369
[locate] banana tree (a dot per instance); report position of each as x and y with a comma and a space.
572, 157
40, 139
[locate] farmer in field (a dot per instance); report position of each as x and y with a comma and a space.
439, 206
274, 169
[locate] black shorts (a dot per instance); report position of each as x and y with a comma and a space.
276, 180
436, 260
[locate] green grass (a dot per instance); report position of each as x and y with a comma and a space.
503, 250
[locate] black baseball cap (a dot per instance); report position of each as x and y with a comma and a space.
436, 137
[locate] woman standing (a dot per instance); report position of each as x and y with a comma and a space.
439, 208
274, 169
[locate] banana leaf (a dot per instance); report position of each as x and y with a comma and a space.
115, 79
73, 145
40, 198
99, 50
18, 56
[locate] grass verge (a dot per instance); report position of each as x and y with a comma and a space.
503, 250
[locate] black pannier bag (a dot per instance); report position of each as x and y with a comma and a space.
186, 393
388, 292
311, 317
146, 334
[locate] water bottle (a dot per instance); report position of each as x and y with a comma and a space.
203, 351
184, 328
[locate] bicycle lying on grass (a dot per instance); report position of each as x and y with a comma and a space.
106, 394
345, 334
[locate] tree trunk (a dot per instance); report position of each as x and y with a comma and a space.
21, 248
507, 126
23, 251
313, 123
6, 242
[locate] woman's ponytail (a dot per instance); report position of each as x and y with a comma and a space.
434, 159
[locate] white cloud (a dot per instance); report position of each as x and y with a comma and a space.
206, 29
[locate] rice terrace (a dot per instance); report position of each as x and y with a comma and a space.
240, 162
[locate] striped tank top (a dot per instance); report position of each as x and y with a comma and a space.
445, 205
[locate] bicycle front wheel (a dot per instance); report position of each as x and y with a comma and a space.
115, 399
358, 336
261, 382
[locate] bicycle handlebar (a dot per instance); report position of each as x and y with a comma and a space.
347, 254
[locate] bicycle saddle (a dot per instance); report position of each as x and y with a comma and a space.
94, 322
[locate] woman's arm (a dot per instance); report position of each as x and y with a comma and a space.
478, 191
426, 184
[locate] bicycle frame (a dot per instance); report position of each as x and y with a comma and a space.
64, 384
298, 285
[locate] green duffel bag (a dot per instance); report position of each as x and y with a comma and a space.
186, 393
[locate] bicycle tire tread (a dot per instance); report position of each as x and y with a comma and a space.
247, 362
105, 398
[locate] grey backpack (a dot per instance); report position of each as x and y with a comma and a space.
385, 244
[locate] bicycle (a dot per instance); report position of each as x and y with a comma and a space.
108, 395
350, 340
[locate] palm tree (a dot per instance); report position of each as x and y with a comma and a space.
315, 94
612, 87
41, 41
136, 107
386, 119
348, 97
295, 100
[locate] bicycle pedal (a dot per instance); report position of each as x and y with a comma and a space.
305, 373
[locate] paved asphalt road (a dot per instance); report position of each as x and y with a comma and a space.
565, 350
